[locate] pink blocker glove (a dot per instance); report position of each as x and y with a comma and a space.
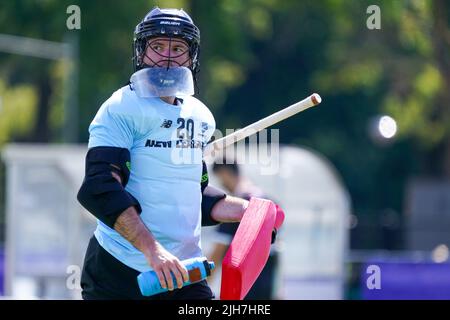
250, 248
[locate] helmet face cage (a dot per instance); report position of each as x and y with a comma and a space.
172, 59
171, 23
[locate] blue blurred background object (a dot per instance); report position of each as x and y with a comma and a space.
367, 171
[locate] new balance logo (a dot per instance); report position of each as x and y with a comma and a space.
204, 127
166, 124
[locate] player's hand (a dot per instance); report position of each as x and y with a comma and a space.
164, 263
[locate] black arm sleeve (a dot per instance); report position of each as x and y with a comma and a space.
210, 196
101, 194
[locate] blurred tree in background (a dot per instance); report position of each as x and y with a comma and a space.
258, 56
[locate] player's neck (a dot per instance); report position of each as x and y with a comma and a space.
169, 100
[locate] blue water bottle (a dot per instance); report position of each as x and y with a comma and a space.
198, 269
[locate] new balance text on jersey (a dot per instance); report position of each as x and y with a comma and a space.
178, 144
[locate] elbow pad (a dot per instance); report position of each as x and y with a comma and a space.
210, 196
101, 194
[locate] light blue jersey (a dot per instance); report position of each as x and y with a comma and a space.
166, 146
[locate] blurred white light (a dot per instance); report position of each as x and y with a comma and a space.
387, 127
440, 253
